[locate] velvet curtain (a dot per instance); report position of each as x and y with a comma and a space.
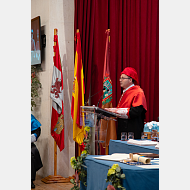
134, 32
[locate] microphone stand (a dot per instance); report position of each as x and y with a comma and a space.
99, 116
101, 97
94, 95
99, 100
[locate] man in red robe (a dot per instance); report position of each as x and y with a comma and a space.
132, 105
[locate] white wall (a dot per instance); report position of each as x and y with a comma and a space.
55, 14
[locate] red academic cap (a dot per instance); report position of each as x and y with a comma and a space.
131, 72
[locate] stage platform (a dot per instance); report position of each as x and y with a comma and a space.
53, 186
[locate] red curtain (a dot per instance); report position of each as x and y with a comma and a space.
134, 31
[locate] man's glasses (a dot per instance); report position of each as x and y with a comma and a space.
123, 78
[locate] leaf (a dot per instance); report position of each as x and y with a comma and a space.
86, 141
122, 176
35, 85
118, 169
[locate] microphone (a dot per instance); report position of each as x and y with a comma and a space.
102, 96
94, 95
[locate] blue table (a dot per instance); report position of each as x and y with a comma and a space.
118, 146
135, 177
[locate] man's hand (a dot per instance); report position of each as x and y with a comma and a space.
123, 112
33, 138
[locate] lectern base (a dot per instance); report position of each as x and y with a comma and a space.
56, 179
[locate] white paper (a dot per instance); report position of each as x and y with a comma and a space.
157, 146
114, 157
148, 166
142, 142
154, 165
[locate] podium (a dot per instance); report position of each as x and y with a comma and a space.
91, 116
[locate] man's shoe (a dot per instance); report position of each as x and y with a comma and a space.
32, 185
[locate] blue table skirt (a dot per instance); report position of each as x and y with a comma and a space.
118, 146
135, 177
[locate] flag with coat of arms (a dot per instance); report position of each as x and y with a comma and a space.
56, 94
108, 126
78, 93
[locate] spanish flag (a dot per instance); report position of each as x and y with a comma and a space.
78, 93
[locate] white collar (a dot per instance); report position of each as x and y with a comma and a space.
128, 88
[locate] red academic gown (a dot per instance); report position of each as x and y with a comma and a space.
134, 99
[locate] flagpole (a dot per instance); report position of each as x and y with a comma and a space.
55, 158
56, 178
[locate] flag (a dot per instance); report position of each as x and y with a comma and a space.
56, 94
78, 93
107, 95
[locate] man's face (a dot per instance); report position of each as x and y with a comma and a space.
125, 81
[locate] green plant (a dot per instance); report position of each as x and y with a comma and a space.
77, 164
114, 176
35, 84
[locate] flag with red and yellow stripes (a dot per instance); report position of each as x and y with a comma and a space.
78, 93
